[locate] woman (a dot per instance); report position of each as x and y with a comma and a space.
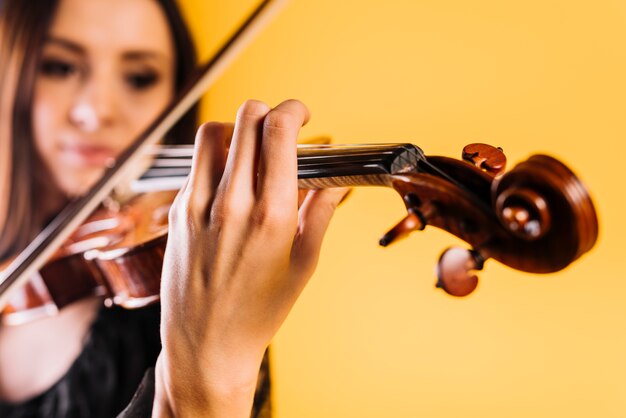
79, 80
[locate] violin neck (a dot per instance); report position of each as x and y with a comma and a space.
319, 166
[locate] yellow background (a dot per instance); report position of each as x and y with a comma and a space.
371, 336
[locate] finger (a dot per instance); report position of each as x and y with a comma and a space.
207, 165
278, 169
241, 167
314, 217
302, 195
345, 197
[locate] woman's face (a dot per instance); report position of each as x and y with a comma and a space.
107, 70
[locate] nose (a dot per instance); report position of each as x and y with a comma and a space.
94, 105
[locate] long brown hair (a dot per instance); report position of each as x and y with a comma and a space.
23, 30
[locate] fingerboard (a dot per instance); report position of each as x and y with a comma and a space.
319, 166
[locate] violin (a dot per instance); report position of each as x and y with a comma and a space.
537, 218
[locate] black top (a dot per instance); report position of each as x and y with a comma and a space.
120, 347
141, 404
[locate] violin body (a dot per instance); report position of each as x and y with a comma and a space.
116, 254
537, 218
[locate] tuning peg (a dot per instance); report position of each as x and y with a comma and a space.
414, 221
486, 157
455, 271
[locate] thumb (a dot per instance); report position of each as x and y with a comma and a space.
313, 219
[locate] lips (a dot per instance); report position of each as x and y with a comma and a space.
87, 155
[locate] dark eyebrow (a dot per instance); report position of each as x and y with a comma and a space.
139, 55
72, 46
132, 55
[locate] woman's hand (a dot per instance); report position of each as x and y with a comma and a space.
239, 254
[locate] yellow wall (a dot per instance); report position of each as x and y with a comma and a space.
371, 336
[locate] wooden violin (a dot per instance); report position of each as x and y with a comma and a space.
537, 218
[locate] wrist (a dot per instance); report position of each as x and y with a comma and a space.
212, 394
161, 407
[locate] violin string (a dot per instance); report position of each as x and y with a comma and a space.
180, 156
173, 163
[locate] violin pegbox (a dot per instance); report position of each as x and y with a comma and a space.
442, 203
538, 217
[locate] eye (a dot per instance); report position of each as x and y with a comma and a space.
57, 68
142, 80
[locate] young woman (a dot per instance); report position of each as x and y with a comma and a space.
79, 80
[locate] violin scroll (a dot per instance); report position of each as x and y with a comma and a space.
548, 210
